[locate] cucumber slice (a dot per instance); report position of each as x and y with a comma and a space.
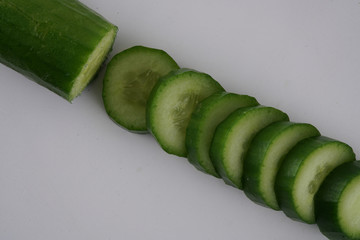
203, 122
129, 79
233, 136
302, 172
337, 203
171, 104
265, 155
59, 44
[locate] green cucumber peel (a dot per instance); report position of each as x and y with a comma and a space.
233, 137
265, 155
302, 172
204, 120
171, 103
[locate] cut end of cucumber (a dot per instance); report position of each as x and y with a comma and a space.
285, 136
233, 137
207, 116
93, 63
129, 79
312, 161
171, 104
337, 203
349, 217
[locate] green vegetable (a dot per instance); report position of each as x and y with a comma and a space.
233, 136
302, 172
129, 79
279, 164
265, 156
203, 122
171, 103
58, 43
337, 203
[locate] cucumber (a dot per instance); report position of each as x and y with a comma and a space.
337, 203
302, 172
233, 136
171, 103
203, 122
59, 44
129, 79
265, 155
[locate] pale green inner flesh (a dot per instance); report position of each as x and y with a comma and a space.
182, 110
313, 172
138, 86
129, 83
93, 64
239, 139
274, 156
174, 105
349, 209
219, 111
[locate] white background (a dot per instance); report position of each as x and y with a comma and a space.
68, 172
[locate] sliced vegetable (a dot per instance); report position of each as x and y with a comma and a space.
302, 172
265, 155
233, 136
171, 104
337, 203
203, 122
129, 79
58, 43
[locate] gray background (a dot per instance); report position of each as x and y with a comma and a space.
68, 172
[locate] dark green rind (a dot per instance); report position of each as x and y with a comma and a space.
290, 166
257, 152
153, 100
49, 41
221, 136
203, 114
328, 197
113, 65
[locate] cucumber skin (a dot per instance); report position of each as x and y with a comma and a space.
198, 119
255, 156
327, 198
223, 131
37, 41
286, 176
163, 82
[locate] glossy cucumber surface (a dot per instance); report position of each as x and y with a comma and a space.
60, 44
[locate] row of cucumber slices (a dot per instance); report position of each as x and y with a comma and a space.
278, 163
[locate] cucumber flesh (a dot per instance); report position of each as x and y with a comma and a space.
233, 136
59, 44
129, 79
171, 103
349, 207
92, 64
203, 123
265, 155
337, 203
302, 172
